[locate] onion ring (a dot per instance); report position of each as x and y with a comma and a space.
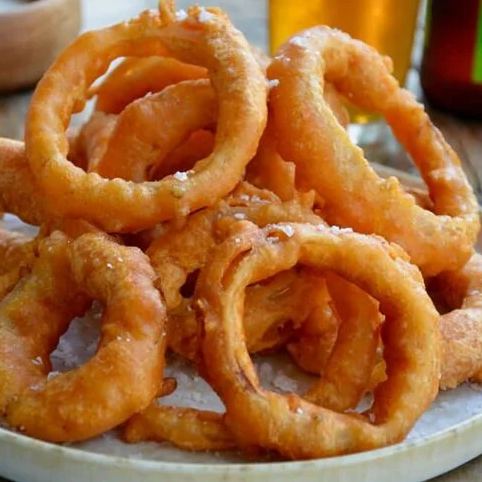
348, 370
117, 205
461, 328
137, 144
199, 145
92, 141
187, 428
126, 370
293, 427
312, 344
327, 161
178, 253
19, 194
135, 77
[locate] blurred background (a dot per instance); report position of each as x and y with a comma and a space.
451, 40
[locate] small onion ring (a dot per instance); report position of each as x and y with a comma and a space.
137, 144
134, 77
461, 328
19, 194
350, 365
187, 428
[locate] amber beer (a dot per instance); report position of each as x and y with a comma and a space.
387, 25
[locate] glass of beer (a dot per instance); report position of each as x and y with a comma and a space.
387, 25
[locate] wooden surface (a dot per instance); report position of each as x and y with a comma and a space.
251, 17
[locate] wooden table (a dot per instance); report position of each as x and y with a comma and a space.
251, 17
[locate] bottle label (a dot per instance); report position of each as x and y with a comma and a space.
477, 67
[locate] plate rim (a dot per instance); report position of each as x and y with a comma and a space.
163, 466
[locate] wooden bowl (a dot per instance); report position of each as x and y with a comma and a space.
31, 36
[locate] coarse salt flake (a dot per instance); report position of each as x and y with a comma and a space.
273, 83
338, 230
52, 375
299, 42
286, 229
205, 16
37, 361
180, 176
110, 266
239, 216
181, 15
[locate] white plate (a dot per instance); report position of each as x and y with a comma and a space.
448, 435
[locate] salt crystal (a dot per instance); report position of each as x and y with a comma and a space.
121, 260
37, 361
256, 199
338, 230
205, 16
239, 216
110, 266
244, 197
181, 15
299, 411
52, 375
273, 83
299, 42
180, 176
286, 229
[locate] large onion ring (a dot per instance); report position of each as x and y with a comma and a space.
117, 205
310, 136
288, 424
124, 375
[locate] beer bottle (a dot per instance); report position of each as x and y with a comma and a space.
451, 71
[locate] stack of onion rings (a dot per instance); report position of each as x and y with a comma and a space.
201, 204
